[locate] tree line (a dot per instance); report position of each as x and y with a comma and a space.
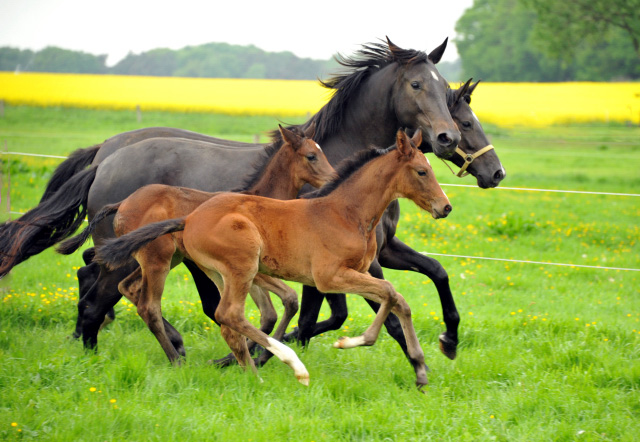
212, 60
216, 60
498, 40
550, 40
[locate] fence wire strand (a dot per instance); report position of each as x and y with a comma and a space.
466, 186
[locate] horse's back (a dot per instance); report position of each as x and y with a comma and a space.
117, 142
174, 162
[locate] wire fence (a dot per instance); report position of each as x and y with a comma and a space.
522, 189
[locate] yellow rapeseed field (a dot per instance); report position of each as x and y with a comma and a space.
505, 104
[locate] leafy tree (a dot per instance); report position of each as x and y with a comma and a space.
562, 26
494, 43
157, 62
12, 59
53, 59
499, 40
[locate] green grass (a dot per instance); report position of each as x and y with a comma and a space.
546, 352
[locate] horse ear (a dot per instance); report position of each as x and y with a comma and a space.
402, 143
463, 91
310, 131
472, 87
436, 54
416, 139
289, 137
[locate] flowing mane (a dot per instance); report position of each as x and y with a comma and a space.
371, 58
346, 168
260, 165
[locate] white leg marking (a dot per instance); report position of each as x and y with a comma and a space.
289, 357
347, 342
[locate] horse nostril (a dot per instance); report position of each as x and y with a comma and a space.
499, 175
447, 209
444, 139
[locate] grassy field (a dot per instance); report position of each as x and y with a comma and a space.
546, 352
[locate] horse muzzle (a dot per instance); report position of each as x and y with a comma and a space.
441, 209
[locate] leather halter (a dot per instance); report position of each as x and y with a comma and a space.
468, 159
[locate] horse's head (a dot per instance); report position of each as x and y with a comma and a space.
420, 98
417, 180
475, 154
309, 164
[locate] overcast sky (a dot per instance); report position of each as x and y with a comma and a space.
315, 29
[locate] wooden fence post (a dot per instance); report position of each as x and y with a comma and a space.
138, 113
1, 108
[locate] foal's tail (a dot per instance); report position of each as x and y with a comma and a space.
116, 252
75, 163
70, 245
49, 222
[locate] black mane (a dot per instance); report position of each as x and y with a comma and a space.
368, 60
260, 165
346, 168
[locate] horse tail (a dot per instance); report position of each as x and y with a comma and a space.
46, 224
70, 245
115, 252
76, 162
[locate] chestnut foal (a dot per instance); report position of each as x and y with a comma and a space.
326, 240
298, 161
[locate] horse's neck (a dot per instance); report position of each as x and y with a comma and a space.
368, 119
366, 194
276, 180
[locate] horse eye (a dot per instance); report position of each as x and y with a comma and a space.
312, 157
422, 173
467, 124
415, 85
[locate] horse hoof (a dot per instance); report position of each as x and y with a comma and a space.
448, 346
223, 362
421, 383
303, 379
340, 342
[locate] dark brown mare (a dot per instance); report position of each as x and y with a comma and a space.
326, 240
297, 161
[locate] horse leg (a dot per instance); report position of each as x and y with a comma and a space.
209, 294
383, 292
289, 299
131, 288
379, 290
154, 275
309, 310
87, 277
210, 298
288, 296
414, 351
392, 323
238, 345
398, 256
268, 314
231, 313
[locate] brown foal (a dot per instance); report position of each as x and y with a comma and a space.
326, 240
298, 161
